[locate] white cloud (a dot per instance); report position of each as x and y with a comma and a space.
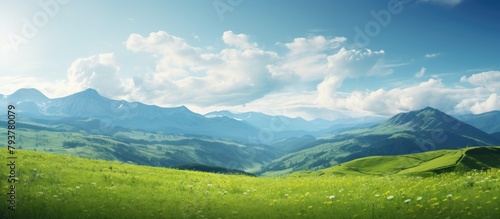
188, 75
451, 3
489, 79
421, 73
431, 55
492, 103
305, 79
241, 41
429, 93
99, 72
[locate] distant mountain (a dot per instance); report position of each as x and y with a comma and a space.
286, 127
417, 131
89, 105
27, 101
488, 122
279, 123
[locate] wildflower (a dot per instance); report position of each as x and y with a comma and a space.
419, 198
244, 193
331, 197
286, 195
377, 195
77, 187
407, 200
449, 196
390, 197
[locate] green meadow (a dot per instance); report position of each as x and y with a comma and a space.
63, 186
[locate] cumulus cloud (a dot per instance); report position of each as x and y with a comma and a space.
421, 73
492, 103
489, 80
305, 79
388, 102
185, 74
99, 72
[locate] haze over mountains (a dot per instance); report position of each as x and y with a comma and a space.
258, 142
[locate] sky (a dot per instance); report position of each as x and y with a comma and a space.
325, 59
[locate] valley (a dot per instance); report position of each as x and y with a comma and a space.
86, 156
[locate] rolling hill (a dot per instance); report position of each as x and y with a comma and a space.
426, 163
144, 148
427, 129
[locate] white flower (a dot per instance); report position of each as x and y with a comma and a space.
244, 193
449, 196
419, 198
77, 187
286, 195
331, 197
407, 200
390, 197
377, 195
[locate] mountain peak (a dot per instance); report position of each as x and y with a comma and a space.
426, 118
89, 94
90, 91
27, 94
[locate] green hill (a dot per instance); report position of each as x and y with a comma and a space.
144, 148
423, 130
427, 163
61, 186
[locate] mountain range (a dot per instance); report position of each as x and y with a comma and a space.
159, 136
424, 130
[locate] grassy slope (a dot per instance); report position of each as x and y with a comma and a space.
425, 163
62, 186
154, 149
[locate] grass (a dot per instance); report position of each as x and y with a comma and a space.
62, 186
426, 163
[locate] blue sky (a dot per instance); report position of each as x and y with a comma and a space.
315, 59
